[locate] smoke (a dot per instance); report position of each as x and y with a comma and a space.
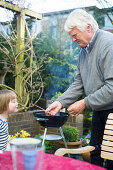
62, 75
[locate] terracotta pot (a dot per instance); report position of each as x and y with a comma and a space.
72, 145
86, 156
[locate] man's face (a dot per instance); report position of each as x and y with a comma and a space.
82, 38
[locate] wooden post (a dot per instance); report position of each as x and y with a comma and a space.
20, 58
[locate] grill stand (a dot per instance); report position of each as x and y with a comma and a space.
55, 137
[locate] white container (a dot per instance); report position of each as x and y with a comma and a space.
25, 142
27, 153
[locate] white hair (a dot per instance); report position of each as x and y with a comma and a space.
80, 19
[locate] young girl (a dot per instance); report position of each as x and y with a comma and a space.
8, 104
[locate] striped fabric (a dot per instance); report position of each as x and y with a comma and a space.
3, 134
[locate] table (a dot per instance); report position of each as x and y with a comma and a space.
51, 162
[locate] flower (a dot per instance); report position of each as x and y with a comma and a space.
22, 133
86, 139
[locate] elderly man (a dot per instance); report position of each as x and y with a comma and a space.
94, 76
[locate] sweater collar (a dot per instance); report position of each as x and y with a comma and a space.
91, 44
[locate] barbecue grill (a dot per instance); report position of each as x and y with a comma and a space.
48, 121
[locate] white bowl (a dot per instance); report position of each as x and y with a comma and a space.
25, 142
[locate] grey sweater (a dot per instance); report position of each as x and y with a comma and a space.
94, 74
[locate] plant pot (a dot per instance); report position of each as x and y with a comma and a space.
72, 145
86, 156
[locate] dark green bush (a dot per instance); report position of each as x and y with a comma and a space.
87, 121
71, 133
49, 146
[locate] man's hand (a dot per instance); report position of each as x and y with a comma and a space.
76, 108
54, 108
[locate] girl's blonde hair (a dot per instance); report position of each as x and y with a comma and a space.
5, 97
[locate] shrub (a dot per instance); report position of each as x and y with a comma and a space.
48, 144
71, 133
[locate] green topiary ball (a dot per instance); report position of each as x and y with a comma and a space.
71, 133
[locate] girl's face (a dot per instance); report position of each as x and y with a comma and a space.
13, 106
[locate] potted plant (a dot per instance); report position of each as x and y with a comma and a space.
85, 142
71, 135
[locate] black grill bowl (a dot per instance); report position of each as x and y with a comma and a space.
48, 121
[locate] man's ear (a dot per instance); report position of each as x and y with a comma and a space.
89, 28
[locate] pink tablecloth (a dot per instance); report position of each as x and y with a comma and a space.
50, 162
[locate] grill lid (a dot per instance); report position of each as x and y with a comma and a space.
51, 121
